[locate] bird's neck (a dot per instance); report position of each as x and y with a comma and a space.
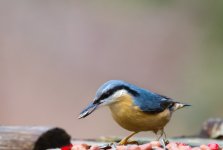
121, 103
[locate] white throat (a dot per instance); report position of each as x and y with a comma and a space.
114, 97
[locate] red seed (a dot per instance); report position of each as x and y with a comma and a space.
67, 147
213, 146
94, 148
121, 147
184, 147
204, 147
78, 147
85, 146
172, 146
147, 146
181, 144
133, 147
198, 148
155, 144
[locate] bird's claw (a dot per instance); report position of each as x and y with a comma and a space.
124, 142
108, 146
163, 143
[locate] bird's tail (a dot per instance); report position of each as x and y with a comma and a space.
178, 105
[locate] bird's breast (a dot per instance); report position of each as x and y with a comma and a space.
132, 118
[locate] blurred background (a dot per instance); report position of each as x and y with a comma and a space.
55, 54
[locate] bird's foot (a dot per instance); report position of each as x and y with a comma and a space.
125, 142
108, 146
163, 143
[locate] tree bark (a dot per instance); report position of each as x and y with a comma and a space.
20, 138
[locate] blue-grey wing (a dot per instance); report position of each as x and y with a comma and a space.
152, 102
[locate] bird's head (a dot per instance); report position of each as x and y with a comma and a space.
109, 93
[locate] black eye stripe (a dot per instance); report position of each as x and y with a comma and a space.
106, 95
113, 90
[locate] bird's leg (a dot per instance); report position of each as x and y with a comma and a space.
160, 135
163, 143
164, 140
164, 135
125, 140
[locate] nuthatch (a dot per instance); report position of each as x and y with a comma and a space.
134, 108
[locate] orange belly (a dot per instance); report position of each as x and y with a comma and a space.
130, 117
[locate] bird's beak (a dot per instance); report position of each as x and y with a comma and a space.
178, 105
184, 105
87, 111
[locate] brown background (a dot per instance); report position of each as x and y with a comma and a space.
55, 54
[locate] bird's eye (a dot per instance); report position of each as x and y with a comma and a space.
105, 95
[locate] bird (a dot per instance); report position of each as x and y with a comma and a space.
134, 108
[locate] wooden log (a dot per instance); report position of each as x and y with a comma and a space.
40, 138
20, 138
32, 137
